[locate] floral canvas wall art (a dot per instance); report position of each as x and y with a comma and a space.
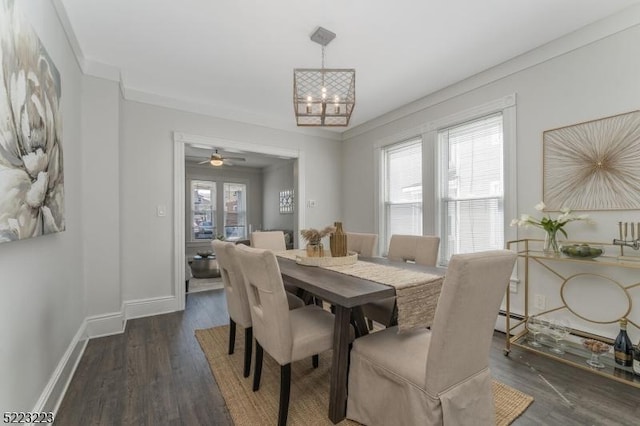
31, 167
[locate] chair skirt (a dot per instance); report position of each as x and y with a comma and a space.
379, 395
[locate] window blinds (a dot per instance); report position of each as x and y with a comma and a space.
403, 189
473, 186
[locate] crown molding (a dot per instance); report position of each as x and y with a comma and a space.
94, 68
217, 111
584, 36
102, 70
68, 30
420, 130
472, 113
87, 65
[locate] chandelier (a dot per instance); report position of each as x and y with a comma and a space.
324, 96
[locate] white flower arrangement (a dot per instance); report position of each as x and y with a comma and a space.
547, 223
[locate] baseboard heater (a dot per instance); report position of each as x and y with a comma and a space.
503, 313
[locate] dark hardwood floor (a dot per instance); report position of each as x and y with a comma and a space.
156, 374
153, 374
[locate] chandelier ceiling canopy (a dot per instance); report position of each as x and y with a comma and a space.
323, 96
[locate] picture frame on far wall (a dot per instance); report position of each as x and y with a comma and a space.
593, 165
286, 201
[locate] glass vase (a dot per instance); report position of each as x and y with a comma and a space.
551, 243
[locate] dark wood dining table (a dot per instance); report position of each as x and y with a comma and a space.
347, 294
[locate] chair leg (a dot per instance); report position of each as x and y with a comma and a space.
232, 335
358, 322
257, 369
285, 388
248, 343
306, 297
300, 293
315, 360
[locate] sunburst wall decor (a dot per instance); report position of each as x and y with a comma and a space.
593, 165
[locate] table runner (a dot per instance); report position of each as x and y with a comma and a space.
416, 292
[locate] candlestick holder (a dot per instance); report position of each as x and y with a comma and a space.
627, 239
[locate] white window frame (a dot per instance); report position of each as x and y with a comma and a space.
429, 132
383, 241
218, 219
246, 207
506, 106
214, 213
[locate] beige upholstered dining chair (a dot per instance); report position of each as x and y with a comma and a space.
287, 336
275, 241
421, 249
439, 376
363, 244
237, 299
271, 240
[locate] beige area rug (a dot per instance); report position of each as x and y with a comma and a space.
204, 284
309, 387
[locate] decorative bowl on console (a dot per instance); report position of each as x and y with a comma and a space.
582, 251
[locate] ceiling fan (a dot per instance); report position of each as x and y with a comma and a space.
218, 160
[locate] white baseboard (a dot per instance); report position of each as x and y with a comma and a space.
501, 324
115, 322
106, 324
92, 327
147, 307
56, 388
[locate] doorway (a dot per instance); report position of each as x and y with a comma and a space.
181, 141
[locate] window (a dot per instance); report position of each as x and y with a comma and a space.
403, 189
203, 210
235, 211
471, 186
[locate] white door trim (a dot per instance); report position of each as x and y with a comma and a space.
179, 141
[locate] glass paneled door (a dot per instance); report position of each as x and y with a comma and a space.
235, 211
203, 210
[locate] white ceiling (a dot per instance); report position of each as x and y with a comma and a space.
237, 57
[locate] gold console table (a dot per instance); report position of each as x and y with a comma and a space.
530, 251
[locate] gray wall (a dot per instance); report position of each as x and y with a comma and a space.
115, 259
146, 149
276, 179
101, 195
43, 297
597, 80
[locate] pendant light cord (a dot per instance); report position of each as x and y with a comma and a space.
322, 72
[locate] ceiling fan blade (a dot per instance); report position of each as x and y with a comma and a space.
227, 163
204, 162
235, 158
